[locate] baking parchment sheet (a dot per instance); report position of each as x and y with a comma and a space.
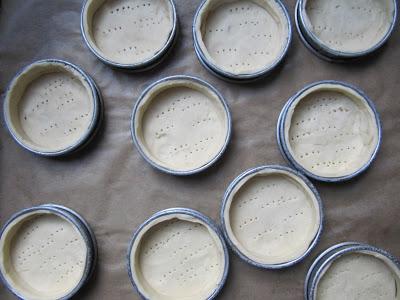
115, 189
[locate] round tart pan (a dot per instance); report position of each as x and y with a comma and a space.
311, 48
181, 125
47, 252
52, 108
243, 40
133, 35
353, 269
330, 131
365, 27
178, 253
272, 217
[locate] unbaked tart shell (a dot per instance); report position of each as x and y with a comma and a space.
241, 39
129, 34
178, 254
343, 28
353, 270
52, 108
45, 254
271, 216
181, 125
330, 130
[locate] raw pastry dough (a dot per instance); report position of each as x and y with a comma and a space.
128, 31
181, 125
349, 25
359, 276
43, 256
50, 107
272, 216
244, 36
331, 131
177, 257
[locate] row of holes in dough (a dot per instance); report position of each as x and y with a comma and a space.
329, 163
126, 8
338, 6
174, 104
167, 239
223, 50
132, 49
119, 28
248, 221
55, 267
189, 273
23, 259
186, 260
255, 23
281, 235
55, 125
238, 9
304, 134
192, 151
46, 102
333, 110
279, 201
319, 152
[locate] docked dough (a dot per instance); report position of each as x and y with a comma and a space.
243, 36
349, 25
331, 131
359, 276
272, 216
177, 257
50, 107
129, 31
181, 125
43, 256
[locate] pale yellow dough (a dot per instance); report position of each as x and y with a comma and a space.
128, 31
181, 125
177, 257
243, 36
42, 256
331, 131
272, 216
360, 276
50, 107
349, 25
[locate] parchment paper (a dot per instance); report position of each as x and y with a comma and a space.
116, 190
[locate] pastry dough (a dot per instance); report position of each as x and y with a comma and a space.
177, 257
43, 256
359, 276
242, 36
349, 26
271, 216
50, 107
181, 124
331, 130
128, 31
